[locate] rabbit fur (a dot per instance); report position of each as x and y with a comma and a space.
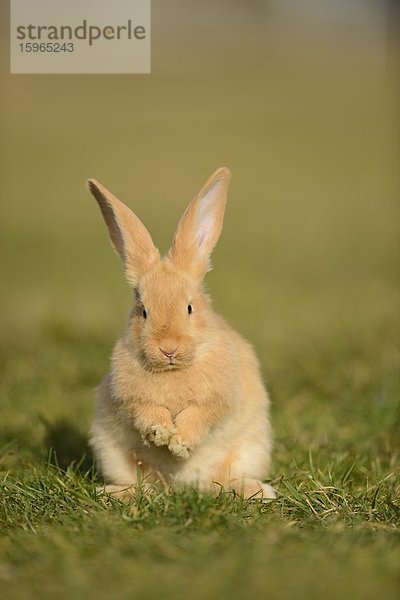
184, 400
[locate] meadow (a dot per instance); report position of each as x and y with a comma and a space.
306, 268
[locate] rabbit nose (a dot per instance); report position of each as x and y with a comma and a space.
168, 353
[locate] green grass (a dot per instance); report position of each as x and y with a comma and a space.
307, 269
333, 530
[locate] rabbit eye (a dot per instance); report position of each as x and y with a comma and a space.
190, 309
144, 313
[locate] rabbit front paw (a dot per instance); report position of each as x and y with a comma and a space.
178, 448
159, 435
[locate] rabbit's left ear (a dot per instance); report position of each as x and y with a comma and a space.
129, 237
201, 225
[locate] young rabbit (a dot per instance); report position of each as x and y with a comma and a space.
184, 400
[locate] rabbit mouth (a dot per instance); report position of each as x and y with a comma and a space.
169, 364
173, 364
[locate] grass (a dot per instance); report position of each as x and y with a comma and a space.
333, 530
62, 539
309, 133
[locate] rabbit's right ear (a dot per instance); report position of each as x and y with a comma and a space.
200, 226
129, 236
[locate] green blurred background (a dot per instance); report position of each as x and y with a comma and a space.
304, 117
301, 105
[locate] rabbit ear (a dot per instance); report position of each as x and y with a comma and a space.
129, 236
200, 226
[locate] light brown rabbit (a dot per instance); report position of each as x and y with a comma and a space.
184, 400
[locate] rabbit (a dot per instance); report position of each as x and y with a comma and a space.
184, 401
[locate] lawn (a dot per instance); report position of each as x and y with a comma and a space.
306, 268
